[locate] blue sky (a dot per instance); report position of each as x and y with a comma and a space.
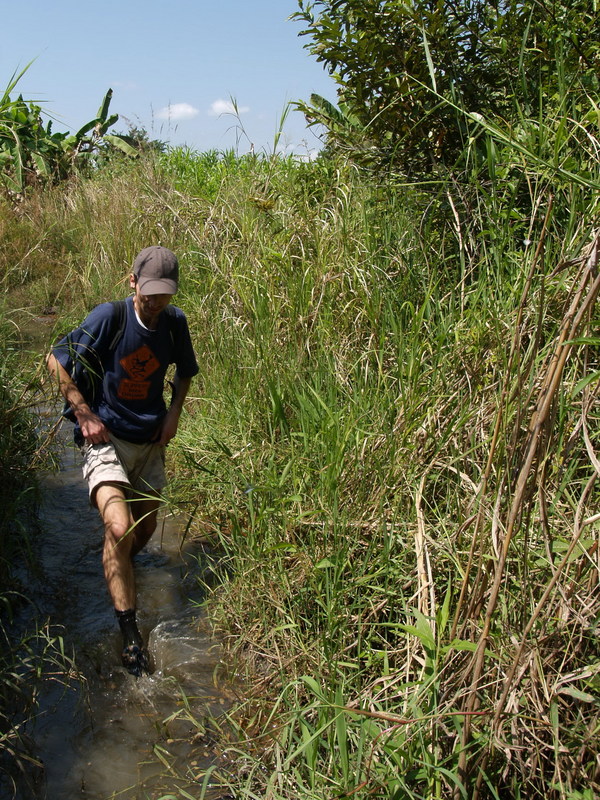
173, 66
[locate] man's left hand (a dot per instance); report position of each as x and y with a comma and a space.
169, 426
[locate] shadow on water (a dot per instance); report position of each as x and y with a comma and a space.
110, 735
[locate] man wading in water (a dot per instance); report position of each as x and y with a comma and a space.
122, 424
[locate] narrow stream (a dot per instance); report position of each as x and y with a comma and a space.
110, 735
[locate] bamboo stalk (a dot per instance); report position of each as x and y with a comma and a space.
498, 423
578, 310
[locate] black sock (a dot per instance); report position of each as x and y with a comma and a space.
129, 628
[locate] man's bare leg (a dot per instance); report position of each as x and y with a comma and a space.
119, 542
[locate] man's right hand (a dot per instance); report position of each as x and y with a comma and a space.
94, 431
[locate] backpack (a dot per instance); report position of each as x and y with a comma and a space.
87, 375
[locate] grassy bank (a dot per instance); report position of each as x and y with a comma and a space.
28, 651
392, 440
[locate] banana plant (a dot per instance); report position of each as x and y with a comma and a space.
30, 152
14, 117
89, 137
343, 129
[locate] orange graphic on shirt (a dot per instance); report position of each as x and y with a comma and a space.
139, 365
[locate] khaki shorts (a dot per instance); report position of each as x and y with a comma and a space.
137, 467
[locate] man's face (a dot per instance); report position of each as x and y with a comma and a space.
149, 306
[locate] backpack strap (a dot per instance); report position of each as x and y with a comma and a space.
118, 322
85, 380
174, 325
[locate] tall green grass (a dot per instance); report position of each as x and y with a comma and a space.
393, 533
18, 447
397, 466
28, 652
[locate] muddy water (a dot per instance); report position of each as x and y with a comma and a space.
109, 734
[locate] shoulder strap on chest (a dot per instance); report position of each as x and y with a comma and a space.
118, 322
172, 320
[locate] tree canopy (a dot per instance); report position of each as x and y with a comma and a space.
407, 69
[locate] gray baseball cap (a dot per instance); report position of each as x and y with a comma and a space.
157, 270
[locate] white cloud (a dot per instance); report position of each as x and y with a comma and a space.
128, 86
225, 107
177, 111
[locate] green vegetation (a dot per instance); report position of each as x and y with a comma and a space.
27, 652
31, 153
408, 574
17, 444
393, 440
407, 72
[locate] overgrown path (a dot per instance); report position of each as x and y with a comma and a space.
97, 729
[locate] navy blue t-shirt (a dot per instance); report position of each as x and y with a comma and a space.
130, 402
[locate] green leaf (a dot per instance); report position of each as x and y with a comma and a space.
107, 124
341, 733
313, 686
422, 629
41, 165
118, 142
577, 694
286, 547
429, 60
580, 386
68, 142
324, 563
463, 644
10, 183
103, 110
89, 126
443, 613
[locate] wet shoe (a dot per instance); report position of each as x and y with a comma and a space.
135, 660
134, 655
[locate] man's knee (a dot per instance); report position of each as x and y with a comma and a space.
117, 531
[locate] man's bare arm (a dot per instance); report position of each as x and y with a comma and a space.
92, 427
170, 423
